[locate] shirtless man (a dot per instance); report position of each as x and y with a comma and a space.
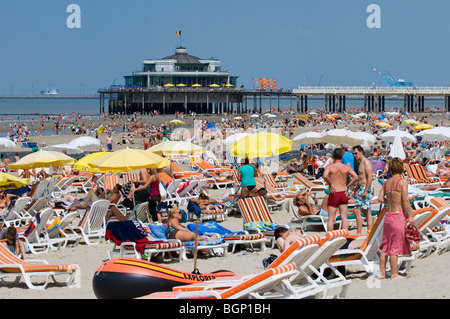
286, 237
335, 176
363, 189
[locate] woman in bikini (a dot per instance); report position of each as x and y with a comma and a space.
174, 229
204, 202
395, 193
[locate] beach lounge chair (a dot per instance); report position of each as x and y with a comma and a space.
13, 267
260, 286
220, 184
129, 237
268, 177
309, 185
216, 246
61, 232
92, 226
421, 216
180, 173
203, 214
129, 177
82, 183
367, 255
36, 235
34, 206
416, 175
110, 180
432, 228
40, 190
186, 191
16, 213
230, 237
257, 218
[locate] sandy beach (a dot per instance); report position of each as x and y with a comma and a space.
427, 279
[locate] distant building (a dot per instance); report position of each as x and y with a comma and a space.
180, 69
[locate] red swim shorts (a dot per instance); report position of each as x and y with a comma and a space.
337, 198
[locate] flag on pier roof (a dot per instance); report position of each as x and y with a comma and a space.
178, 32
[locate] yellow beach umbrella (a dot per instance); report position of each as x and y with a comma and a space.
237, 118
176, 122
214, 85
383, 124
229, 85
196, 85
423, 127
303, 117
181, 84
176, 148
129, 159
83, 163
43, 159
8, 181
411, 121
261, 144
168, 85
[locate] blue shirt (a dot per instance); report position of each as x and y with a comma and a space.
247, 175
349, 158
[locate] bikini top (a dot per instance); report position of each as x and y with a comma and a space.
398, 192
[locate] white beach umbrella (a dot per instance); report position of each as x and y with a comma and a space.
437, 134
64, 147
392, 113
308, 138
397, 147
341, 136
6, 142
84, 141
361, 114
234, 138
254, 115
389, 136
369, 139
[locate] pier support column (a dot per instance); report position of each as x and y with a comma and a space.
306, 103
326, 103
365, 103
447, 103
298, 104
344, 103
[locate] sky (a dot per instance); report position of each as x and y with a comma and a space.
296, 42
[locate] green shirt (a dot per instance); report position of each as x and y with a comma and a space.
247, 175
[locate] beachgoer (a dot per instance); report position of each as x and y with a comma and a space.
205, 202
335, 176
246, 176
395, 193
363, 190
174, 229
10, 238
5, 201
109, 142
286, 237
154, 195
305, 207
348, 157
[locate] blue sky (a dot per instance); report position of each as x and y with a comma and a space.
293, 41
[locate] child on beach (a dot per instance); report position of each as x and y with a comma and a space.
10, 238
285, 237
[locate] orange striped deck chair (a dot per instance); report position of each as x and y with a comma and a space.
302, 180
205, 165
267, 284
366, 255
179, 173
272, 190
110, 180
416, 173
432, 229
129, 177
12, 266
271, 180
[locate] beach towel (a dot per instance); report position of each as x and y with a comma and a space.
261, 225
213, 227
34, 222
193, 207
129, 231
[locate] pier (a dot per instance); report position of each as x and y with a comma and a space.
374, 97
229, 99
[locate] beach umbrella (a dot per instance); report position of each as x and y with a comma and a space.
237, 118
411, 121
214, 85
196, 85
270, 116
254, 115
43, 159
6, 142
341, 136
176, 148
234, 138
83, 141
176, 122
392, 113
313, 113
369, 139
389, 136
397, 147
308, 138
129, 159
168, 85
8, 181
361, 114
383, 124
261, 144
64, 147
423, 127
229, 85
437, 134
303, 117
181, 84
83, 163
267, 114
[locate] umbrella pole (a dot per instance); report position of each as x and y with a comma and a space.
195, 271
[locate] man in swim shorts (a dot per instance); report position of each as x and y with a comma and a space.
335, 176
363, 189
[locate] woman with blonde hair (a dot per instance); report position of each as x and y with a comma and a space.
174, 229
395, 193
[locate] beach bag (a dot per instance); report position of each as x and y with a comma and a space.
412, 234
267, 261
162, 192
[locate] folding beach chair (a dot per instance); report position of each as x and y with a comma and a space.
256, 217
110, 180
260, 286
232, 238
432, 228
13, 267
16, 213
312, 187
416, 175
129, 237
